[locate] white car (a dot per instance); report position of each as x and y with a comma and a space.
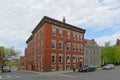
6, 69
109, 66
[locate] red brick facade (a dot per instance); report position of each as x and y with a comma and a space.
22, 63
118, 43
51, 41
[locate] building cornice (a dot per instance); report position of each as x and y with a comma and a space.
59, 23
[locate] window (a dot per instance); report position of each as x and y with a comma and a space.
77, 47
53, 31
74, 58
68, 58
81, 48
53, 58
77, 36
60, 45
80, 37
53, 44
60, 58
68, 35
74, 36
68, 46
60, 32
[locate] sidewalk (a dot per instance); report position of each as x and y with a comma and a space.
55, 72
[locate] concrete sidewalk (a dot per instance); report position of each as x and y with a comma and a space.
55, 72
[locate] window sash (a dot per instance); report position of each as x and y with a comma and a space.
53, 31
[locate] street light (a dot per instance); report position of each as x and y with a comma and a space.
65, 54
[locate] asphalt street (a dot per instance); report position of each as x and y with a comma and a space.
97, 75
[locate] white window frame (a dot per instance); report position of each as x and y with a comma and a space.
80, 37
68, 45
61, 58
68, 60
80, 47
61, 45
53, 30
60, 32
74, 47
53, 63
77, 47
53, 43
68, 34
53, 54
77, 37
74, 58
74, 36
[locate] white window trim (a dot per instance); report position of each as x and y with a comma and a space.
55, 43
62, 45
53, 63
53, 54
53, 27
68, 36
62, 58
74, 60
68, 61
68, 45
60, 32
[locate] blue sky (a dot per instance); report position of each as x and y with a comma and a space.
100, 18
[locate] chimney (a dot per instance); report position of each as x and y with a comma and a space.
64, 19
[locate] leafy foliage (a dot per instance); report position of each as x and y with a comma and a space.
110, 54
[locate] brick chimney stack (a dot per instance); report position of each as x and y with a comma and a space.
64, 19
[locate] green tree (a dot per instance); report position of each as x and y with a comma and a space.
1, 52
9, 54
110, 54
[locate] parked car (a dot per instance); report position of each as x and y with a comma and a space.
6, 69
87, 68
108, 67
14, 69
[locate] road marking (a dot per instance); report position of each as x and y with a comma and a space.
67, 75
8, 76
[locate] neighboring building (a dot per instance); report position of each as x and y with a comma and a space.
92, 53
54, 45
1, 57
22, 63
118, 43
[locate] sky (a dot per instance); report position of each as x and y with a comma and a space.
18, 18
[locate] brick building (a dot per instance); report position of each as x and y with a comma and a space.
54, 45
118, 42
22, 63
92, 53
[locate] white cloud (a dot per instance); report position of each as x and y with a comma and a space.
112, 38
19, 18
